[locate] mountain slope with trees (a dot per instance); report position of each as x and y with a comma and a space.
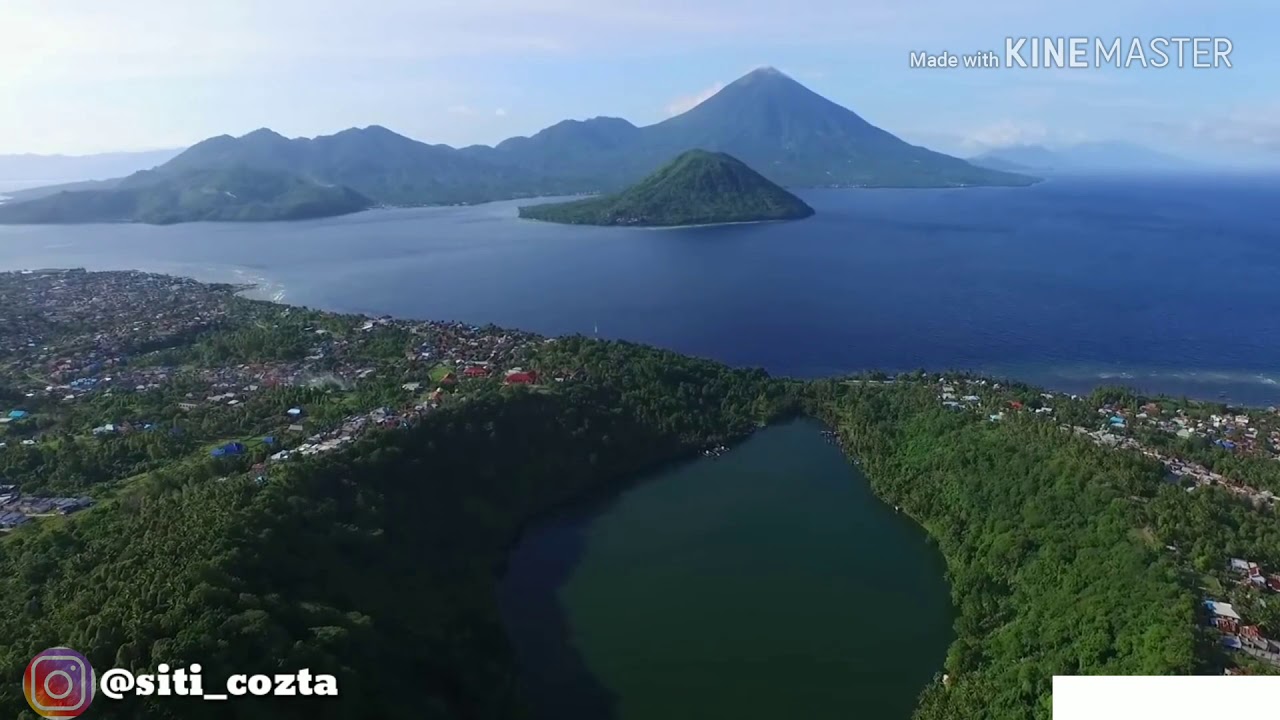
696, 188
233, 194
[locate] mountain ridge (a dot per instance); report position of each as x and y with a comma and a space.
790, 134
216, 195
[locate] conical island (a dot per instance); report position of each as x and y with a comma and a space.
697, 188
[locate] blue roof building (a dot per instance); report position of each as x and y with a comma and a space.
233, 448
17, 414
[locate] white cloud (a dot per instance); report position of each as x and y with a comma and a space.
688, 102
500, 112
461, 110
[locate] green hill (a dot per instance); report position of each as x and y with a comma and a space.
232, 194
696, 188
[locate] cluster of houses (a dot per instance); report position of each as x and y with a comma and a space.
78, 332
350, 428
1236, 430
17, 509
1236, 633
74, 324
66, 335
1116, 422
962, 394
1181, 471
353, 426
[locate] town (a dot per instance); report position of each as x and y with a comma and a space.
1165, 430
111, 362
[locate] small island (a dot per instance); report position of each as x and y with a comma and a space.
697, 188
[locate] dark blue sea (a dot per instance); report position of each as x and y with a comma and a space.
1168, 284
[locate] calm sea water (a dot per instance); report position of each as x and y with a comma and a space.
1166, 284
767, 583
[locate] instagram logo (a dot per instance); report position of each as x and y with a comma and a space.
58, 683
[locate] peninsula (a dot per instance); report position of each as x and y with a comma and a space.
697, 188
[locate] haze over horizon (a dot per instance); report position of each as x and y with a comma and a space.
91, 78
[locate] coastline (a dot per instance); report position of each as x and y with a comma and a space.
667, 227
714, 224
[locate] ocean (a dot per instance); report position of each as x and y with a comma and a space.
1165, 284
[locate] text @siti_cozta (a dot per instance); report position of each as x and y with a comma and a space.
60, 682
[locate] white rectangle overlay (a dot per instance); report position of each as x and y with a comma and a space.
1166, 698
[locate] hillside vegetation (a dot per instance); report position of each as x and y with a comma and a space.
698, 187
232, 194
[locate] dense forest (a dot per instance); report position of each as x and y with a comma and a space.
1064, 557
377, 564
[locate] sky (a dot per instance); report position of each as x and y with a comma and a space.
80, 76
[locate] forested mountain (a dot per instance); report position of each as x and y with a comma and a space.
799, 138
698, 187
387, 167
792, 135
231, 194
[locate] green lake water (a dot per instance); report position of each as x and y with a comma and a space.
766, 583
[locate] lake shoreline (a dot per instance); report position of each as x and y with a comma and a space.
575, 529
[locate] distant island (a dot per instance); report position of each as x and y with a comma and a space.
697, 188
1082, 158
792, 135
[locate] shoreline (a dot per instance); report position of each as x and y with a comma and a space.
1233, 387
705, 225
666, 227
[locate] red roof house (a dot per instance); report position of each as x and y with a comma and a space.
475, 371
522, 378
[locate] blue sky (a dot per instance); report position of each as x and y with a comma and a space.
79, 76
